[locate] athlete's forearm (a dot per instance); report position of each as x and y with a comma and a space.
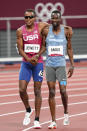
70, 54
22, 53
42, 50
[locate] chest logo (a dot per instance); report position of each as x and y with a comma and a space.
30, 37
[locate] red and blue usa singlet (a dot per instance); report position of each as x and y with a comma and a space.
31, 45
32, 41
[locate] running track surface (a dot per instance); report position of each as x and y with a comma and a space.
12, 109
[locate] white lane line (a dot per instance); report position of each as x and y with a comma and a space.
77, 79
44, 82
46, 122
30, 93
46, 98
43, 108
6, 77
3, 76
70, 80
84, 77
29, 87
9, 89
9, 79
9, 83
16, 74
12, 113
79, 76
78, 72
9, 73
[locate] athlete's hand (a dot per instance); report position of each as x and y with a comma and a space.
35, 58
32, 61
70, 71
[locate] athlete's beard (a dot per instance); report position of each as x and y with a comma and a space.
29, 25
56, 25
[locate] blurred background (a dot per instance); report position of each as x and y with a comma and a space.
74, 14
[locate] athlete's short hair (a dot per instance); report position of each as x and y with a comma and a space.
56, 12
30, 10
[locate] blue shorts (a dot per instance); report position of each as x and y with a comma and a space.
28, 70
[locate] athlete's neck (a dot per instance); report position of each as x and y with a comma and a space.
56, 29
30, 27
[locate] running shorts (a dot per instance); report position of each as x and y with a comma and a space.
53, 73
28, 70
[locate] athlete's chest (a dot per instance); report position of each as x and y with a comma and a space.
31, 41
56, 44
56, 39
32, 36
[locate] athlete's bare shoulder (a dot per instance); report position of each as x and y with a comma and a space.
19, 32
68, 29
42, 25
45, 30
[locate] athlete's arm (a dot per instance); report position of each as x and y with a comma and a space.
20, 45
42, 25
44, 35
70, 33
70, 52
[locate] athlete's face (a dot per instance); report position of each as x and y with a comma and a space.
55, 19
29, 18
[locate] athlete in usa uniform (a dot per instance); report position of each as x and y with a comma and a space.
29, 43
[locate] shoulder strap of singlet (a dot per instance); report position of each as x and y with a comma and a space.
23, 28
62, 28
36, 25
50, 28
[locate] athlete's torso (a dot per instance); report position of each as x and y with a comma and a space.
31, 41
56, 48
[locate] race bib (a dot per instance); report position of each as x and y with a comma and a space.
55, 50
34, 48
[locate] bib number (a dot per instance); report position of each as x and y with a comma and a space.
55, 50
34, 48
